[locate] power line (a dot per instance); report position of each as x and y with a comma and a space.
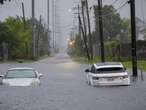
122, 5
114, 2
111, 13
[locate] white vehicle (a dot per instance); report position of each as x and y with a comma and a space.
108, 73
21, 77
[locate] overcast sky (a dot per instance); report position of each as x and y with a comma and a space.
64, 14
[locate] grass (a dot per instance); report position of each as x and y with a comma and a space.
18, 61
128, 64
25, 60
141, 64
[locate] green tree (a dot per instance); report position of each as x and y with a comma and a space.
23, 36
116, 30
111, 22
79, 46
125, 35
19, 37
7, 36
144, 31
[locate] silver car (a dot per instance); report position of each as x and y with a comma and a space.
108, 73
21, 77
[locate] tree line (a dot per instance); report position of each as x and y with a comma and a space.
116, 30
18, 36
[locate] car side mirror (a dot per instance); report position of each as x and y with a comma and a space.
1, 76
1, 79
40, 75
87, 70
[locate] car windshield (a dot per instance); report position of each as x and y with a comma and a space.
21, 73
110, 70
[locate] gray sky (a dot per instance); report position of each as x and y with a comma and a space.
64, 17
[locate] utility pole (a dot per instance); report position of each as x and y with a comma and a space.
33, 29
79, 29
84, 37
24, 24
133, 38
83, 15
23, 12
48, 15
84, 25
101, 31
53, 22
48, 19
89, 29
38, 38
48, 12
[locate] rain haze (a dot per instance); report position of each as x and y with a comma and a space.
65, 19
62, 65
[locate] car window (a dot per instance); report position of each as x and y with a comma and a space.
93, 70
110, 70
21, 74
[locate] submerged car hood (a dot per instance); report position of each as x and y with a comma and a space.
110, 74
20, 81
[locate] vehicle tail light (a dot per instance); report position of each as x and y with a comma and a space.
125, 76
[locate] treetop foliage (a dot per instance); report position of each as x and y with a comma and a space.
18, 36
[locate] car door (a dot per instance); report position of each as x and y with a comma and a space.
92, 71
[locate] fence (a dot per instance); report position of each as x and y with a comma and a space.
122, 51
3, 51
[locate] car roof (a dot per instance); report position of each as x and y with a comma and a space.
108, 64
21, 68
